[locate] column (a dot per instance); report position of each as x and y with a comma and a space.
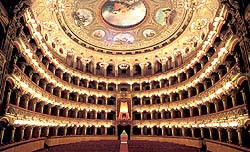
105, 66
152, 131
173, 131
140, 86
95, 130
189, 93
85, 130
131, 87
164, 66
199, 109
244, 97
74, 130
26, 102
22, 132
219, 132
66, 112
116, 70
131, 70
202, 133
18, 96
58, 111
183, 131
30, 132
172, 114
49, 109
142, 131
8, 96
233, 96
182, 112
13, 130
56, 131
47, 132
229, 134
171, 97
163, 131
224, 100
94, 68
42, 107
39, 132
142, 116
162, 114
76, 113
105, 130
142, 65
153, 69
105, 115
239, 136
208, 107
161, 99
152, 115
77, 97
179, 78
2, 135
65, 131
180, 95
216, 106
191, 112
192, 131
67, 95
34, 102
210, 133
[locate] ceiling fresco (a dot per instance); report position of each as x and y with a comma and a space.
124, 24
157, 28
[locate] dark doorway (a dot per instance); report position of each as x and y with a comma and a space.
120, 130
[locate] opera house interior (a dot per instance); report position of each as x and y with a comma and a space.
124, 75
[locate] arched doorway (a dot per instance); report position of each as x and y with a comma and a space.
120, 129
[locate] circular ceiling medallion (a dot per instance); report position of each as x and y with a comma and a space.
124, 25
123, 13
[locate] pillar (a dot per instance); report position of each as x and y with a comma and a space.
116, 70
18, 96
208, 107
173, 131
56, 131
74, 130
210, 133
152, 131
42, 107
233, 96
216, 106
220, 135
39, 132
13, 130
183, 131
22, 133
47, 132
229, 134
244, 97
202, 133
30, 132
8, 96
192, 131
239, 136
2, 131
224, 100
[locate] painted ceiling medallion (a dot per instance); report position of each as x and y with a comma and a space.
124, 13
131, 26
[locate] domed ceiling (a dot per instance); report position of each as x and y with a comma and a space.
124, 24
125, 27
